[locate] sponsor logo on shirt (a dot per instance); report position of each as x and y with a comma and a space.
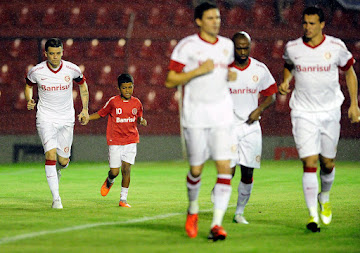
125, 120
247, 90
55, 88
316, 68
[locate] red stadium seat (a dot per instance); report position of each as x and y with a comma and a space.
72, 50
259, 50
341, 19
282, 103
52, 18
98, 100
171, 45
147, 50
152, 102
139, 74
236, 16
183, 17
107, 76
156, 17
104, 18
5, 16
278, 49
173, 105
95, 49
158, 75
79, 17
27, 17
20, 103
119, 50
6, 75
263, 16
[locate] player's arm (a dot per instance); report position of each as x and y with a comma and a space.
94, 116
284, 86
29, 97
255, 115
84, 95
180, 78
142, 121
352, 84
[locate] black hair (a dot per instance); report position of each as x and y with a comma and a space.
201, 8
53, 42
313, 10
125, 78
241, 34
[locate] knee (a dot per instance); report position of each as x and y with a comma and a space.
64, 161
247, 175
113, 173
327, 165
310, 162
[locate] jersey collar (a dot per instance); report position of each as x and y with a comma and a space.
55, 71
241, 69
217, 39
306, 44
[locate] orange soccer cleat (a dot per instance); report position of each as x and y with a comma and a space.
217, 233
124, 204
191, 225
105, 188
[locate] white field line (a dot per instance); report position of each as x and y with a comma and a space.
16, 238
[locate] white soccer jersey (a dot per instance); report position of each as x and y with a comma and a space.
316, 73
207, 101
250, 81
55, 90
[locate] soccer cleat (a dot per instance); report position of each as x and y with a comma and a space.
124, 204
191, 225
238, 218
313, 224
105, 188
57, 204
217, 233
325, 212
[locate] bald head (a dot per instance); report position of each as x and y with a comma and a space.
241, 34
242, 44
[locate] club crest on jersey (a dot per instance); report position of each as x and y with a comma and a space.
258, 158
66, 149
255, 78
327, 55
134, 111
67, 78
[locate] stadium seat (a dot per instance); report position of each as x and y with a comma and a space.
97, 100
282, 103
95, 49
103, 18
27, 17
237, 17
139, 74
120, 49
341, 19
147, 50
53, 17
79, 17
6, 75
5, 16
259, 50
355, 50
263, 16
173, 105
73, 50
277, 49
152, 101
107, 76
183, 17
171, 45
156, 17
158, 75
20, 103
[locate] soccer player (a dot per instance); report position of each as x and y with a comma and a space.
200, 63
314, 60
55, 116
252, 78
122, 135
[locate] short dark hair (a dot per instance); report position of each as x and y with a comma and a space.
241, 34
125, 78
53, 42
201, 8
313, 10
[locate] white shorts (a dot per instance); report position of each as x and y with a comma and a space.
56, 135
316, 132
205, 143
119, 153
248, 140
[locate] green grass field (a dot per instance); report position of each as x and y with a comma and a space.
155, 223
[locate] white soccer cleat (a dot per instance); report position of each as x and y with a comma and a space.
57, 204
238, 218
325, 212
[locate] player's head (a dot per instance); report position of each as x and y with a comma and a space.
313, 22
207, 17
54, 51
242, 46
126, 85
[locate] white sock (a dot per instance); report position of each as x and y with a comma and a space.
124, 193
193, 186
244, 191
222, 193
52, 178
326, 182
310, 188
111, 181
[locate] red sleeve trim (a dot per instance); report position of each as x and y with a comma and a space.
29, 82
82, 81
348, 64
269, 91
176, 66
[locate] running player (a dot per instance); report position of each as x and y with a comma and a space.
314, 60
200, 63
252, 78
122, 135
55, 116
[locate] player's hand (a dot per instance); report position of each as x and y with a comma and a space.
354, 114
284, 88
31, 104
143, 122
83, 117
206, 67
254, 116
231, 76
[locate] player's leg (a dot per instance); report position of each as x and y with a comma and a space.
63, 164
128, 154
197, 154
64, 142
222, 150
244, 192
114, 164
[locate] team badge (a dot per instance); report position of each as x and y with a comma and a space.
255, 78
258, 158
134, 111
67, 78
327, 55
66, 149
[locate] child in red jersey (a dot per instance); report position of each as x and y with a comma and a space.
122, 135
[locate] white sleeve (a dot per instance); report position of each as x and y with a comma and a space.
344, 55
268, 79
286, 56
